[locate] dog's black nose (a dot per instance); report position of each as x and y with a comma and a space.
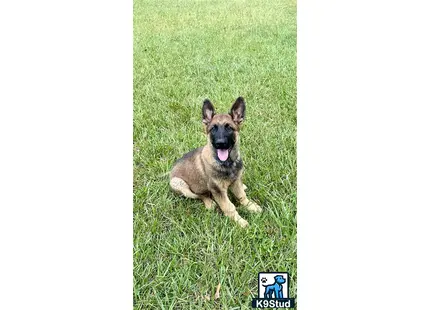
221, 144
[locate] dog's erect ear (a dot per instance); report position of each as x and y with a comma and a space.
237, 111
208, 111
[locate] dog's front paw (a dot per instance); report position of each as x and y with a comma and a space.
253, 207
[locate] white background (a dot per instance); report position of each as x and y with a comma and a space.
66, 172
66, 154
363, 155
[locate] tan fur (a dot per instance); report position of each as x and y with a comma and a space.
197, 175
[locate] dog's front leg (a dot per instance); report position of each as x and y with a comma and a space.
227, 207
238, 191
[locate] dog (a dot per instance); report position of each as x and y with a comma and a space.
275, 288
207, 172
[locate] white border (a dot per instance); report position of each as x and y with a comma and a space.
66, 155
363, 154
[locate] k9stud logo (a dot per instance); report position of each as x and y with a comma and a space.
273, 291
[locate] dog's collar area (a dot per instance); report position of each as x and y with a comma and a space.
229, 163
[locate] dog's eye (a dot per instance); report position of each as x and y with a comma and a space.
214, 128
228, 128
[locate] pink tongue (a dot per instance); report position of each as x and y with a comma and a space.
222, 154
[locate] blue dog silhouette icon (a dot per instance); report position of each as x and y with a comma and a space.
275, 288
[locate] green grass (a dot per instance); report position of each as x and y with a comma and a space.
185, 51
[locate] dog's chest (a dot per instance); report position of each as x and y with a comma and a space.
229, 170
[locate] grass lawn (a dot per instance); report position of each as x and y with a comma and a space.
184, 52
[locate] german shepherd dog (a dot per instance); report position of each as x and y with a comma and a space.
207, 172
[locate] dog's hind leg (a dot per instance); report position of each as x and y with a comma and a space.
181, 187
